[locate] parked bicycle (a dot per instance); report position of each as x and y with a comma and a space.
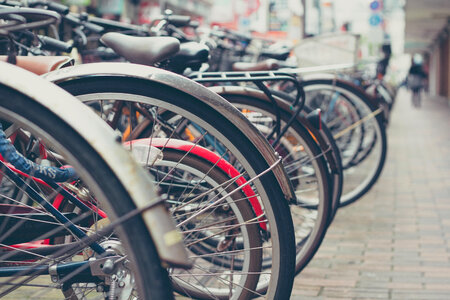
43, 246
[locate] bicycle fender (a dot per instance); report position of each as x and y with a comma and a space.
251, 92
284, 105
351, 86
186, 86
212, 157
313, 76
167, 239
281, 103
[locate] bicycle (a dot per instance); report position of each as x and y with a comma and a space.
318, 228
319, 199
41, 115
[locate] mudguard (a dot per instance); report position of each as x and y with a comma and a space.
186, 86
216, 160
100, 136
312, 122
251, 92
335, 78
284, 105
314, 76
41, 64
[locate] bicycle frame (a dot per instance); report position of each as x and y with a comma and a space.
69, 224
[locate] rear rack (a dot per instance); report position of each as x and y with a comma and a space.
254, 76
258, 78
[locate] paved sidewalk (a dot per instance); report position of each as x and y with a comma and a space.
394, 243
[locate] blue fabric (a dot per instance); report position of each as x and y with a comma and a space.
9, 153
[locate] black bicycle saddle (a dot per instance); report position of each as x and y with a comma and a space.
141, 50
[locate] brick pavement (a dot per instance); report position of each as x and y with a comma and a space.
394, 243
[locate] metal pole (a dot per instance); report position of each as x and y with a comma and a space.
304, 19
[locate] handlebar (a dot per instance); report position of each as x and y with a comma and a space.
60, 10
138, 29
77, 21
52, 44
53, 6
172, 29
231, 34
194, 24
35, 18
57, 7
15, 18
178, 20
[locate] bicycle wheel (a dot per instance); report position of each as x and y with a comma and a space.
332, 155
31, 264
365, 131
323, 137
338, 113
169, 111
306, 166
223, 238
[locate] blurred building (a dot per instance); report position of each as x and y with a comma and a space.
278, 19
411, 26
143, 11
427, 32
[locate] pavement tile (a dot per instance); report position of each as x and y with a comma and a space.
357, 293
438, 287
437, 274
305, 290
419, 295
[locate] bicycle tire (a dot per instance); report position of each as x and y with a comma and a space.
308, 244
340, 115
334, 163
97, 172
327, 144
367, 108
180, 163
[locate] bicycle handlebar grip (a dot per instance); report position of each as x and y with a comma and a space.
93, 27
59, 8
194, 24
179, 21
52, 44
239, 36
116, 25
74, 20
12, 3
